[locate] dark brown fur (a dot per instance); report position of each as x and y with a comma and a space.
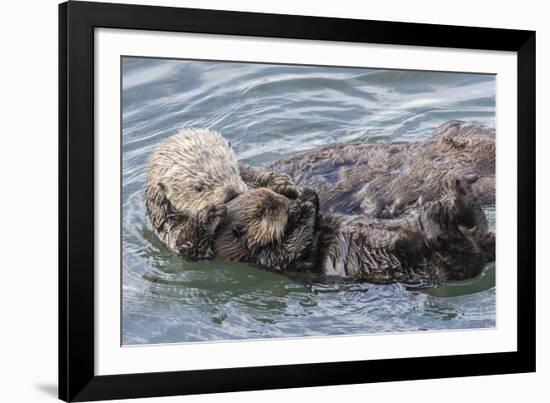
447, 240
386, 180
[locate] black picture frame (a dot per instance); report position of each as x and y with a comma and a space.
77, 21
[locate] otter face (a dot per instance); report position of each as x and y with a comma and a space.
194, 169
258, 217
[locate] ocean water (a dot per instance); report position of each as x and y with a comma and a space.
269, 111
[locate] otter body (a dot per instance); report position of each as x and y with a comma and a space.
190, 177
193, 178
447, 240
386, 180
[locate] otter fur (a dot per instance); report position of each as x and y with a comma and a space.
386, 180
190, 177
447, 240
269, 230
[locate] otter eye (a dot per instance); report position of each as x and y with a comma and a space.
259, 214
199, 188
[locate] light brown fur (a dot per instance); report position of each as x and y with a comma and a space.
267, 229
190, 177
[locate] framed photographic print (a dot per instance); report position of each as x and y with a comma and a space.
258, 201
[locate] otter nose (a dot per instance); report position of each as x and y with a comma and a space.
238, 230
230, 194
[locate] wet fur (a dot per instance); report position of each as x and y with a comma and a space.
447, 240
386, 180
190, 177
268, 230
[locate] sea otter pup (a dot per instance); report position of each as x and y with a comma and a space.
386, 180
447, 240
269, 230
190, 177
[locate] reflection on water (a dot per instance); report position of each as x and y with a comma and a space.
269, 111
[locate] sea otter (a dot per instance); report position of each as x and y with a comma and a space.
190, 177
386, 180
448, 239
269, 230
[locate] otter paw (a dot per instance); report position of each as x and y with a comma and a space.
307, 210
193, 252
459, 184
460, 192
283, 185
214, 215
309, 195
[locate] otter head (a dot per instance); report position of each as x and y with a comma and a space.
259, 217
194, 169
255, 219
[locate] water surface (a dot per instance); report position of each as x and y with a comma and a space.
267, 112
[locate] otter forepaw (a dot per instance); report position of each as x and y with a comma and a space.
214, 215
310, 195
307, 210
465, 203
459, 184
193, 252
283, 185
459, 208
